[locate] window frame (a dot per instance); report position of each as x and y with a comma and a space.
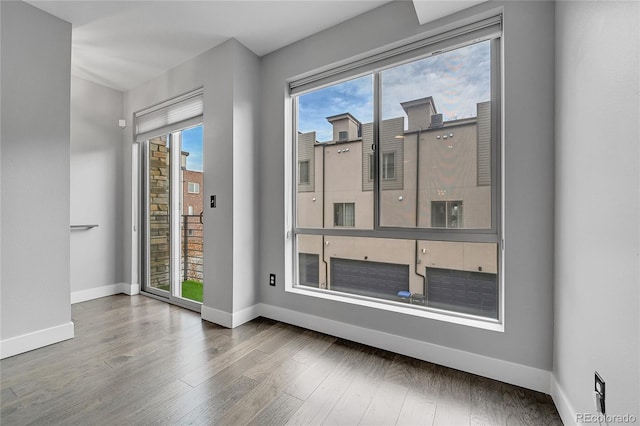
383, 166
371, 158
196, 187
448, 205
494, 234
341, 206
308, 175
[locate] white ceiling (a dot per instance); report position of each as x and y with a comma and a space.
122, 44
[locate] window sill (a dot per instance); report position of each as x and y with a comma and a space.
453, 318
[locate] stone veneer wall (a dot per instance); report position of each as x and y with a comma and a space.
191, 262
159, 225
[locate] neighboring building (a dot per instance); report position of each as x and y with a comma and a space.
444, 181
191, 189
192, 228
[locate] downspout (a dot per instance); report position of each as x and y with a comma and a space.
424, 278
418, 178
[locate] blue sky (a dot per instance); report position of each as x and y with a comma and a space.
457, 81
192, 143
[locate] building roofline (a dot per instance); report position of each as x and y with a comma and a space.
446, 125
421, 101
460, 121
339, 142
333, 118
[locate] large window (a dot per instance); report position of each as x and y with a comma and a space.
409, 145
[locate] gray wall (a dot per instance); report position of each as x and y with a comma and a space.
597, 323
528, 103
96, 185
36, 61
229, 75
246, 95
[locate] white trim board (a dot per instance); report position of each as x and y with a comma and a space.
216, 316
564, 407
228, 320
130, 289
37, 339
103, 291
505, 371
97, 292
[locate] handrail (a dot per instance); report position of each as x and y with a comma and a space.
78, 227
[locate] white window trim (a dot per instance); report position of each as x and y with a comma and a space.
196, 187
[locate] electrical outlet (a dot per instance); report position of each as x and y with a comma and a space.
272, 280
599, 393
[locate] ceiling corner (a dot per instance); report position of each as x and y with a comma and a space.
430, 10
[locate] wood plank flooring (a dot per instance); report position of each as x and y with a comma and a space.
136, 360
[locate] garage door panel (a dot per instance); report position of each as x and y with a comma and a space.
375, 279
461, 291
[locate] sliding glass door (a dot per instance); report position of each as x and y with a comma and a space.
173, 213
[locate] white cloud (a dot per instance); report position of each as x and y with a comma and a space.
457, 81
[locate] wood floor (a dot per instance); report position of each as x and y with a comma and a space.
136, 360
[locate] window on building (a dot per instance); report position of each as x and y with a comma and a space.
343, 135
388, 166
193, 188
308, 269
303, 172
344, 214
409, 245
190, 210
446, 214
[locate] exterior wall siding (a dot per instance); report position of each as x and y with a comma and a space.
484, 143
306, 152
159, 225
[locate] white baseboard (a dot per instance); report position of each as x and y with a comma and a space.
216, 316
228, 320
130, 289
37, 339
565, 408
245, 315
505, 371
97, 292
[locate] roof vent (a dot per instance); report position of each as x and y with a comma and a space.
436, 120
